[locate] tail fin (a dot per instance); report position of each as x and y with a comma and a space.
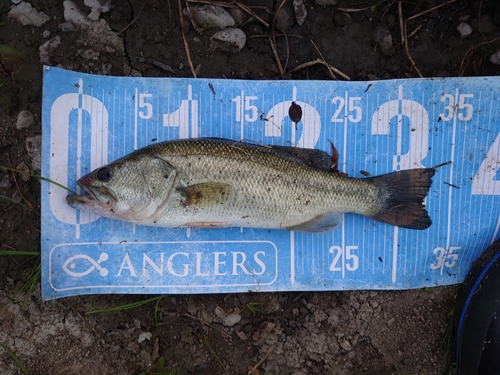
405, 193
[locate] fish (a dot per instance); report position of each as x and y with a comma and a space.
220, 183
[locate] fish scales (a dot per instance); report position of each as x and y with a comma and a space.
266, 186
224, 183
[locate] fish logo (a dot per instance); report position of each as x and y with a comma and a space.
71, 265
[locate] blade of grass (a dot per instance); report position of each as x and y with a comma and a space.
127, 306
10, 53
18, 252
206, 341
38, 177
30, 285
14, 357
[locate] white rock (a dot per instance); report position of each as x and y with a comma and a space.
47, 47
238, 15
205, 15
229, 40
34, 148
300, 11
464, 30
25, 14
144, 336
94, 15
24, 119
75, 15
5, 182
495, 58
231, 319
46, 34
88, 54
101, 6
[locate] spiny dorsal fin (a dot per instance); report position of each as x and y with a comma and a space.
313, 158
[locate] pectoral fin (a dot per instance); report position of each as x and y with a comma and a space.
320, 224
204, 194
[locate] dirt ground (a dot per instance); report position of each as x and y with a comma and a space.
358, 332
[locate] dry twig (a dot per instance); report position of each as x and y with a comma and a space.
322, 62
404, 39
430, 10
186, 46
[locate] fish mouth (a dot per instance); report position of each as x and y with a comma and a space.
91, 196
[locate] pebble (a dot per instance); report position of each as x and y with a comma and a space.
88, 54
383, 38
26, 15
327, 2
34, 148
144, 336
212, 15
238, 15
229, 40
24, 120
73, 14
495, 58
5, 182
46, 34
464, 30
94, 15
300, 11
47, 47
102, 6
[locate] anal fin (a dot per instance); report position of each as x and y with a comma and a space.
320, 224
204, 194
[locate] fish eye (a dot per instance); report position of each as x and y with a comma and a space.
104, 174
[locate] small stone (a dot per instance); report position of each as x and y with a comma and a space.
383, 38
495, 58
24, 120
464, 30
300, 11
46, 34
75, 15
144, 336
242, 335
34, 148
327, 2
102, 6
212, 15
229, 40
346, 345
5, 182
88, 54
238, 15
23, 168
67, 26
231, 319
94, 15
47, 47
26, 15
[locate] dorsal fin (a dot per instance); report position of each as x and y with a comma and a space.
311, 157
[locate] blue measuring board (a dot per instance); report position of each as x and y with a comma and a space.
378, 127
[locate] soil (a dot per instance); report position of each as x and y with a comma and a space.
358, 332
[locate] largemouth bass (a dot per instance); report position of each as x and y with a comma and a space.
214, 183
